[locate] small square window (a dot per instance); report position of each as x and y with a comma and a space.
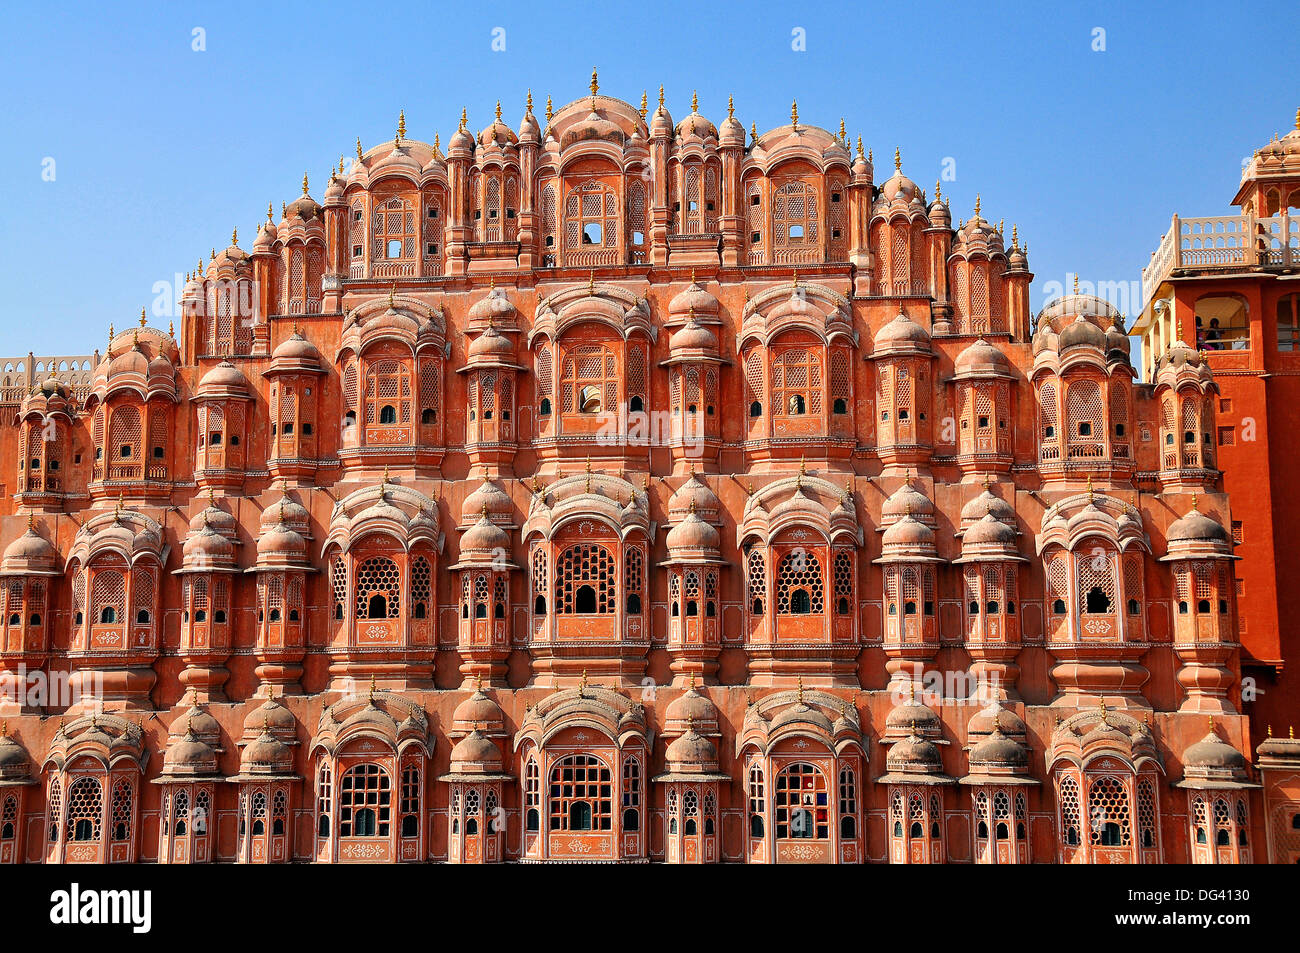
431, 249
753, 200
433, 213
356, 251
755, 238
1238, 534
1227, 436
356, 216
835, 196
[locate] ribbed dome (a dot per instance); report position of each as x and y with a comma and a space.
902, 332
998, 749
272, 716
801, 714
693, 337
693, 533
224, 377
1213, 752
995, 716
988, 530
1082, 333
907, 499
692, 752
208, 544
491, 345
982, 359
476, 751
282, 541
188, 755
478, 711
15, 763
30, 552
908, 532
485, 536
489, 494
494, 306
266, 754
295, 349
914, 752
985, 504
1197, 527
691, 708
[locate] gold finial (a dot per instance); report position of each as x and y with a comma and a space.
1015, 235
898, 159
690, 685
284, 209
844, 136
753, 132
171, 329
938, 191
794, 114
498, 110
31, 522
549, 111
1292, 733
528, 103
1193, 499
661, 95
1270, 731
269, 217
391, 293
358, 147
464, 118
692, 506
372, 688
384, 481
1297, 118
4, 729
800, 689
1076, 282
484, 512
142, 319
591, 282
803, 469
595, 83
871, 157
731, 107
860, 147
794, 279
1105, 712
582, 685
749, 488
478, 682
234, 237
695, 100
644, 108
1090, 493
1212, 731
437, 144
304, 183
977, 205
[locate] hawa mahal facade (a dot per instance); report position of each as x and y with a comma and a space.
619, 488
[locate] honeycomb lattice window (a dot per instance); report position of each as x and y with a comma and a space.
430, 388
1095, 569
799, 587
378, 588
421, 586
1146, 810
1109, 822
1084, 413
585, 577
339, 578
844, 573
1047, 417
756, 568
754, 377
142, 594
108, 596
123, 809
365, 797
801, 803
539, 570
1068, 798
581, 795
633, 571
85, 810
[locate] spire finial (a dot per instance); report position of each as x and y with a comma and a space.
860, 147
498, 110
800, 689
844, 136
977, 205
372, 689
591, 282
794, 115
1297, 118
582, 685
392, 292
304, 183
401, 124
803, 468
938, 191
142, 318
549, 111
384, 481
1076, 282
695, 100
1105, 712
898, 159
234, 237
358, 147
464, 118
731, 107
1193, 499
753, 132
595, 83
1090, 492
644, 107
528, 102
478, 682
1015, 235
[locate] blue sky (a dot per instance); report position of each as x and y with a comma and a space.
159, 150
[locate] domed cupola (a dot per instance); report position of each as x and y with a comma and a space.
207, 548
296, 353
661, 125
693, 340
498, 135
907, 538
304, 208
732, 133
987, 504
1197, 535
187, 754
901, 335
695, 301
488, 494
15, 762
529, 131
907, 500
30, 554
279, 544
1082, 333
495, 308
696, 128
692, 537
897, 194
1213, 760
938, 213
694, 496
982, 360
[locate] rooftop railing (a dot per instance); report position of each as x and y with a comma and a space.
1222, 243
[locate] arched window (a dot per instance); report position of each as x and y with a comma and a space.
589, 379
584, 580
794, 222
797, 382
364, 802
801, 802
758, 802
1108, 812
378, 589
581, 795
799, 587
85, 809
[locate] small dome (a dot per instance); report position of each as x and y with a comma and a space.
912, 714
694, 496
998, 749
485, 537
30, 552
266, 754
982, 359
189, 755
491, 345
495, 306
1196, 527
281, 541
693, 336
271, 716
995, 716
694, 298
223, 378
695, 126
1082, 333
801, 714
914, 752
691, 708
15, 764
207, 544
907, 499
498, 133
295, 349
1215, 753
478, 711
901, 332
213, 517
693, 533
692, 751
476, 751
487, 494
988, 503
988, 530
908, 532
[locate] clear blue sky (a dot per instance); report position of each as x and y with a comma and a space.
160, 150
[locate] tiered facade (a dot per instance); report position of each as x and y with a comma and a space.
621, 489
